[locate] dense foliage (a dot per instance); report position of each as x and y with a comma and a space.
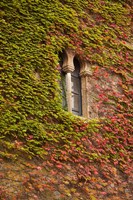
32, 121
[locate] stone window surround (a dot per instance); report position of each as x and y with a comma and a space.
85, 74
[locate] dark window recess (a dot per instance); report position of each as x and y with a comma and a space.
62, 81
76, 89
63, 89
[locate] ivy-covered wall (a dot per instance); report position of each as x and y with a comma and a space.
32, 121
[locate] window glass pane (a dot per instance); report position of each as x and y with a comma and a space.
75, 102
75, 84
76, 72
76, 89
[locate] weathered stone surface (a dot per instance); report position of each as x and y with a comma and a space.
29, 180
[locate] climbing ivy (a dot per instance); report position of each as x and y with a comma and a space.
32, 121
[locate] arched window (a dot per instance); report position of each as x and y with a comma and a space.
75, 76
76, 89
71, 82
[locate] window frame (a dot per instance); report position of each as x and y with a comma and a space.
76, 75
85, 74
